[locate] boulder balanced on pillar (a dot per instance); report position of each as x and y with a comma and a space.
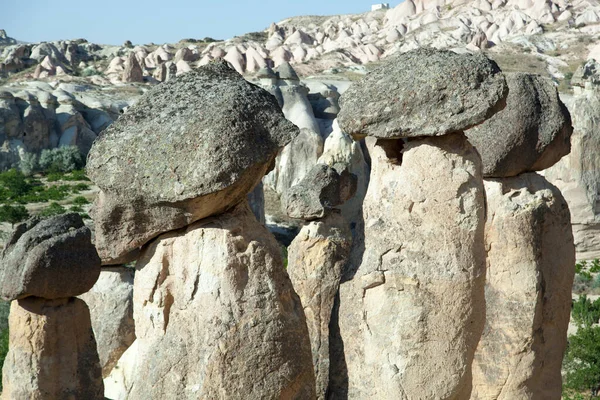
52, 350
215, 312
412, 311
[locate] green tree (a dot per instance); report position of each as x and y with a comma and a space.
15, 183
13, 214
582, 362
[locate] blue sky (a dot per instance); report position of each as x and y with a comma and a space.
158, 21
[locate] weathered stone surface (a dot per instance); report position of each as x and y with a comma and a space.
217, 317
256, 200
423, 92
577, 175
188, 149
52, 352
133, 71
530, 268
412, 313
295, 161
532, 133
315, 261
297, 158
118, 384
588, 72
340, 149
52, 258
322, 189
111, 309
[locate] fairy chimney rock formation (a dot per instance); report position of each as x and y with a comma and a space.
215, 312
192, 147
322, 189
52, 258
424, 254
52, 350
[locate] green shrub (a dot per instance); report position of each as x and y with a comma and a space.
80, 187
585, 312
29, 164
4, 336
13, 214
77, 175
62, 159
52, 210
90, 71
55, 176
585, 269
80, 200
77, 209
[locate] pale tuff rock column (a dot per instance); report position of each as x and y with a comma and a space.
298, 157
529, 245
412, 309
318, 254
111, 308
530, 267
217, 317
412, 315
52, 350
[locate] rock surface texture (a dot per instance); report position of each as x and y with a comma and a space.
110, 302
532, 133
322, 189
316, 259
52, 352
530, 268
411, 315
52, 258
578, 174
217, 317
427, 93
190, 148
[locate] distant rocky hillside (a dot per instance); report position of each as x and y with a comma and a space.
91, 84
558, 32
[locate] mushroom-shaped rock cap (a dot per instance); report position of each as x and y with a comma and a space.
47, 98
189, 148
423, 92
51, 258
286, 72
266, 73
532, 133
322, 189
